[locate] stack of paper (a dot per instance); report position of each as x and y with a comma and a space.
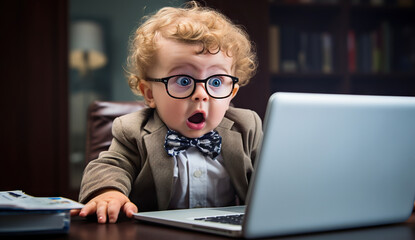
22, 213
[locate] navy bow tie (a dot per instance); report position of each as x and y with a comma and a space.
208, 144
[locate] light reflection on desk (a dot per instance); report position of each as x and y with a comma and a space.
130, 229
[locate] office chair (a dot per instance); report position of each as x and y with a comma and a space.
101, 114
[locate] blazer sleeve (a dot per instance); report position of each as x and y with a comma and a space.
115, 168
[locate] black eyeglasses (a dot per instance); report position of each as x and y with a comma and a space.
183, 86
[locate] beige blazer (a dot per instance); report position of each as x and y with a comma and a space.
137, 164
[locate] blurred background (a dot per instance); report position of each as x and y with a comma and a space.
59, 56
101, 30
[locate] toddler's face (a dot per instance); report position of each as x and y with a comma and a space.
198, 114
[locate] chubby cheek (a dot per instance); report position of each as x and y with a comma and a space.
172, 114
216, 113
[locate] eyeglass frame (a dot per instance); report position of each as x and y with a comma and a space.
166, 81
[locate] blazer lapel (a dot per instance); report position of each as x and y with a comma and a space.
234, 157
162, 166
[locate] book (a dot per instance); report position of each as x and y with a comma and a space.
386, 46
351, 51
405, 35
302, 53
24, 214
364, 53
18, 200
327, 58
274, 49
376, 51
314, 54
34, 222
289, 49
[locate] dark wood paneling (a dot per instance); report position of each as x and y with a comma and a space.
34, 96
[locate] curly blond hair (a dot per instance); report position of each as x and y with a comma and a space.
191, 24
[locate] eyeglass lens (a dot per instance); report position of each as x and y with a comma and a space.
183, 86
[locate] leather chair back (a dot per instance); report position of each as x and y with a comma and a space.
101, 114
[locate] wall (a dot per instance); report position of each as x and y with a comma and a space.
34, 97
119, 18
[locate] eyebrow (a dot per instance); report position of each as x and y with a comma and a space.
196, 69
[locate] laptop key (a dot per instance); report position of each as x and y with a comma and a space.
227, 219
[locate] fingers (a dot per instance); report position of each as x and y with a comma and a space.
113, 211
102, 211
75, 212
129, 209
105, 210
88, 209
107, 206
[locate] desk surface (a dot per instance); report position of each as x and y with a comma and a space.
127, 229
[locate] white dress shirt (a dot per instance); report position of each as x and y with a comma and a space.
200, 181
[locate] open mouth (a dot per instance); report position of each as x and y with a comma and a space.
196, 118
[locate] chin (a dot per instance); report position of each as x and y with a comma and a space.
195, 134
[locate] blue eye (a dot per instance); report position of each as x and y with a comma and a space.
215, 82
183, 81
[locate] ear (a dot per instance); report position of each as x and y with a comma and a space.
235, 90
147, 92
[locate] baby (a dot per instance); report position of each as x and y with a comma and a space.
189, 148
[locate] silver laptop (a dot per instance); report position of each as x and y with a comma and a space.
327, 162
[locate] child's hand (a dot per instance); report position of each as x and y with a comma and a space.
108, 203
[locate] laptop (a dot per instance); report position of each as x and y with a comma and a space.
327, 162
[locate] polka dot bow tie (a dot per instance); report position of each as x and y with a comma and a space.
208, 144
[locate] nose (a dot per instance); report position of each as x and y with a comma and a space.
200, 93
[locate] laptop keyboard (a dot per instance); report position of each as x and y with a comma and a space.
228, 219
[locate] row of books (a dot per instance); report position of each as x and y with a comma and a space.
403, 3
308, 1
400, 3
388, 48
385, 49
292, 50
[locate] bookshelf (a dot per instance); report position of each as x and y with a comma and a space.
328, 46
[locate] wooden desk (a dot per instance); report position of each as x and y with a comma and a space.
130, 229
